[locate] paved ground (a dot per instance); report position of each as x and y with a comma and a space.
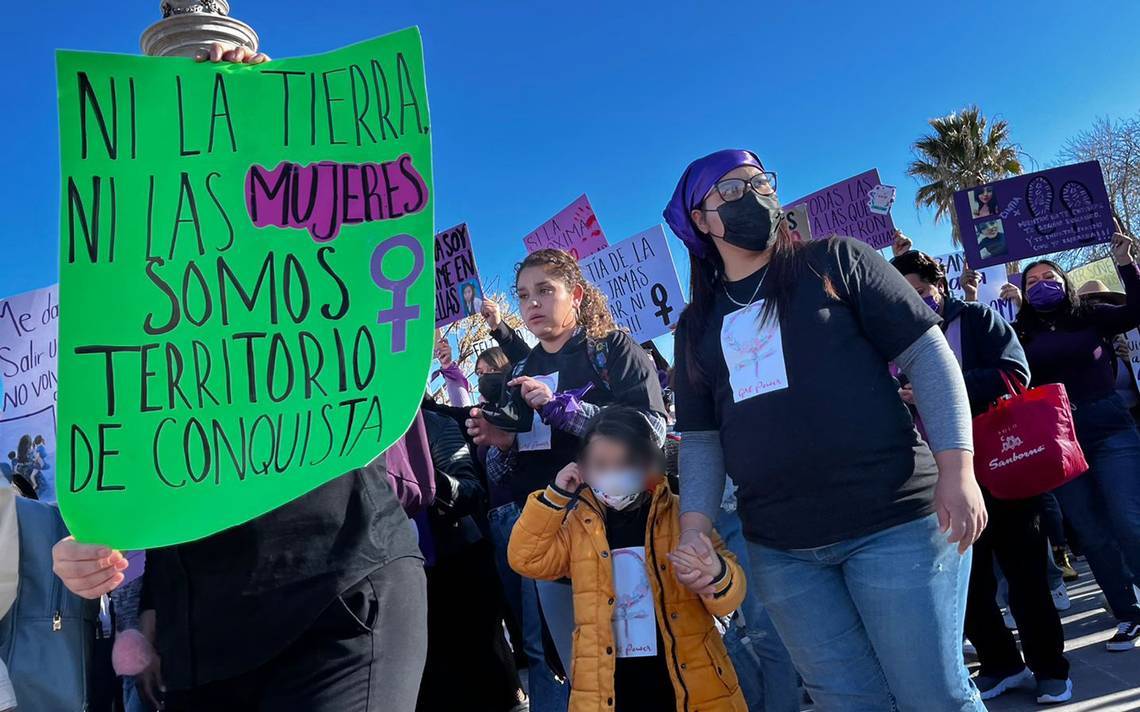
1102, 681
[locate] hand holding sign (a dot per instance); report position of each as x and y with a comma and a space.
1123, 246
491, 314
902, 244
971, 281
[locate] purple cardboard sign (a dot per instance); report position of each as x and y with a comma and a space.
458, 293
844, 210
1034, 214
575, 229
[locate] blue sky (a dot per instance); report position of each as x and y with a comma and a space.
534, 103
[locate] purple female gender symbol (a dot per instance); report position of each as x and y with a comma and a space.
400, 312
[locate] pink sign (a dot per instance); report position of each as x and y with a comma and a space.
575, 230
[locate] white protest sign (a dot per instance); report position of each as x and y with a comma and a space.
991, 280
29, 331
638, 277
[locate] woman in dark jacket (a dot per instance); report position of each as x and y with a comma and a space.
1071, 343
989, 351
469, 665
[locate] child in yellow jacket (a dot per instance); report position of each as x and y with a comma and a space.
642, 639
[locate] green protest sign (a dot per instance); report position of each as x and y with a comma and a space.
246, 281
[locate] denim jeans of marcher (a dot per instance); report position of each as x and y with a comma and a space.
1103, 505
763, 665
874, 623
547, 694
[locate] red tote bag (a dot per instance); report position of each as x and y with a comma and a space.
1026, 443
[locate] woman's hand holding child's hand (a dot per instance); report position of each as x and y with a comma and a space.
697, 566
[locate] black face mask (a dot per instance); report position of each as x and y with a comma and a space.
751, 222
491, 386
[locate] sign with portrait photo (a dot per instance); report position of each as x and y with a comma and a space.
1034, 214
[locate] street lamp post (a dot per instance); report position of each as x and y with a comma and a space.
191, 25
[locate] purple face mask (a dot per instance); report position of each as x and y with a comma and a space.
1046, 295
932, 302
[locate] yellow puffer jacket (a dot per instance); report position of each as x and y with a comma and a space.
551, 542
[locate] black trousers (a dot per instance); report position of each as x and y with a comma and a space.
365, 653
469, 663
1015, 537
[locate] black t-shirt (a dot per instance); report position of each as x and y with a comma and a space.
640, 684
631, 380
831, 453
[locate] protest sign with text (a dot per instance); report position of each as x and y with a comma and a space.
29, 328
639, 280
247, 267
574, 229
1034, 214
844, 210
458, 292
990, 282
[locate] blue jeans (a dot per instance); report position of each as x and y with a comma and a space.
874, 623
547, 694
132, 698
763, 665
1103, 505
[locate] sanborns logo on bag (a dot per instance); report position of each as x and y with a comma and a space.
1009, 442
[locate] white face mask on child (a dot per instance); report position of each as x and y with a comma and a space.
617, 489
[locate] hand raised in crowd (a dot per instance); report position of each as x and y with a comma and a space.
958, 499
1011, 294
443, 352
534, 392
491, 314
971, 280
237, 55
902, 244
697, 567
484, 433
87, 570
1123, 246
569, 478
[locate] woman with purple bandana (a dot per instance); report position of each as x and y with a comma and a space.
858, 532
1070, 342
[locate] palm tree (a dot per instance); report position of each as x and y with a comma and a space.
963, 150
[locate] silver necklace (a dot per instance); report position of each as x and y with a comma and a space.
754, 292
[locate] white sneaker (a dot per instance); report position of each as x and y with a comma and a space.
1051, 692
991, 687
1061, 598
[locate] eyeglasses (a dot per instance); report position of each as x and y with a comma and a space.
732, 189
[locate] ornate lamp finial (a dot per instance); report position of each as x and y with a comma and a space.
191, 25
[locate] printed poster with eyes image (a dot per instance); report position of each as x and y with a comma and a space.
754, 353
1034, 214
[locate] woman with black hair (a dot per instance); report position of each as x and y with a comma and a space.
1070, 342
858, 535
988, 350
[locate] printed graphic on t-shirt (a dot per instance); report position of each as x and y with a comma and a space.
539, 436
753, 352
635, 624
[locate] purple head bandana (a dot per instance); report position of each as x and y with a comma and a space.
695, 183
